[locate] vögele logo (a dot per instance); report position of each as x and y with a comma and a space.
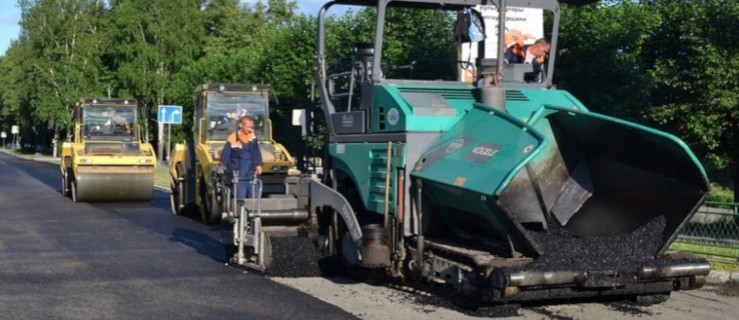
483, 152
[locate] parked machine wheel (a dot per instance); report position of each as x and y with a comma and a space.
174, 199
211, 212
177, 194
73, 191
267, 253
65, 184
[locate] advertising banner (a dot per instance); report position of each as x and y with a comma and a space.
522, 24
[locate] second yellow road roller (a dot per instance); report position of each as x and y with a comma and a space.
108, 160
197, 177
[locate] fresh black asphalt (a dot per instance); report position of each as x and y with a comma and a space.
65, 260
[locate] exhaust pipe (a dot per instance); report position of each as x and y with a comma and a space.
535, 278
290, 215
692, 268
511, 280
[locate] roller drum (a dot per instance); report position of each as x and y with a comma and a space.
120, 183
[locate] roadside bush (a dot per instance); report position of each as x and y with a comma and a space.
720, 193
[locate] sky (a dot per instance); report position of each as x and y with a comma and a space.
10, 14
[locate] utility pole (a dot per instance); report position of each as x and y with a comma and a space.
160, 144
160, 135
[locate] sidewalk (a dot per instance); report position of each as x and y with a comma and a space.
49, 159
35, 157
719, 277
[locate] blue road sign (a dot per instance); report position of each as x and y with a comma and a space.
170, 114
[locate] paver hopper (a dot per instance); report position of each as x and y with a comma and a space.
585, 200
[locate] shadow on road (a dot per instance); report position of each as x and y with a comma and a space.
44, 172
203, 243
156, 217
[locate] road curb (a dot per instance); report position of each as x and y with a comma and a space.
58, 160
49, 160
721, 277
163, 189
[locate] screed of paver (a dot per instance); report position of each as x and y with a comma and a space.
372, 302
381, 302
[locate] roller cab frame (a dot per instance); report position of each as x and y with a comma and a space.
108, 159
198, 179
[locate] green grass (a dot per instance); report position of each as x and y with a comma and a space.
17, 153
720, 193
713, 253
161, 177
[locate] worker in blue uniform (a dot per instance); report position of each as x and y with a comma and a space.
241, 152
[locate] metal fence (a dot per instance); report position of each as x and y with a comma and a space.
714, 231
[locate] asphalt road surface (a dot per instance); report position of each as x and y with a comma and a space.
65, 260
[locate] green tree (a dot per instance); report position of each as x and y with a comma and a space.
696, 71
151, 41
239, 67
287, 66
422, 37
280, 12
231, 26
669, 63
600, 57
13, 87
237, 37
60, 55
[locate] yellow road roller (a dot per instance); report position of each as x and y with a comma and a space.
108, 160
196, 174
